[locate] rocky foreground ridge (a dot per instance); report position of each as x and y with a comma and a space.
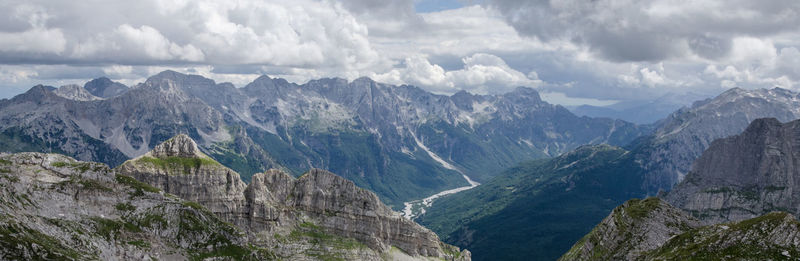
738, 202
54, 207
651, 229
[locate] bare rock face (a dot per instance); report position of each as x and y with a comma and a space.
631, 230
75, 92
178, 167
773, 236
53, 207
651, 229
745, 176
179, 146
288, 214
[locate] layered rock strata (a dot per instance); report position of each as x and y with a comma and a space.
276, 206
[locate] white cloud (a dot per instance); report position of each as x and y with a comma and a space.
788, 63
606, 49
628, 30
297, 34
37, 38
153, 44
482, 73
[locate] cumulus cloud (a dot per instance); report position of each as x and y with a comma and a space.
34, 37
130, 44
629, 30
605, 49
788, 63
304, 33
482, 73
35, 40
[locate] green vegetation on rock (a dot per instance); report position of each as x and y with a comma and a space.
138, 186
185, 165
639, 209
18, 240
767, 237
316, 235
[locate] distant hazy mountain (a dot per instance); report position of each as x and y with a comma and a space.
399, 141
557, 208
105, 88
640, 111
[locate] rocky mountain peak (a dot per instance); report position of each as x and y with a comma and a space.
178, 146
36, 93
523, 95
177, 156
463, 100
105, 88
364, 81
265, 79
763, 125
171, 78
265, 86
745, 175
75, 92
317, 203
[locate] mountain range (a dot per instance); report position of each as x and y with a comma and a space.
548, 176
548, 205
401, 142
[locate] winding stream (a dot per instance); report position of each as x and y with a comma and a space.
415, 208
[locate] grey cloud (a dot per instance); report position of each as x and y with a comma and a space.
391, 18
625, 30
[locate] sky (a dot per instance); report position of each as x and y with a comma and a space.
573, 51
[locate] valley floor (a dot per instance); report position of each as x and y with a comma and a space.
415, 208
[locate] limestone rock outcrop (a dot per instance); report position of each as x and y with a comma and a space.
631, 230
651, 229
275, 206
53, 207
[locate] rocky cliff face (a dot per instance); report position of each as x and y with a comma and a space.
773, 236
682, 137
746, 175
653, 230
75, 92
631, 230
53, 207
278, 210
